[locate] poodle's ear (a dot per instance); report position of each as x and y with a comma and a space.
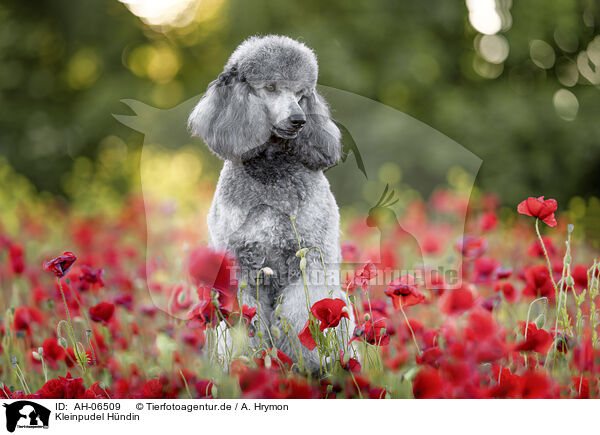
318, 143
230, 118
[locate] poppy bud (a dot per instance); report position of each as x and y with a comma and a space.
345, 310
539, 322
40, 350
244, 359
62, 342
570, 281
13, 361
36, 356
411, 373
243, 285
267, 361
303, 264
570, 228
267, 271
367, 317
302, 252
275, 332
59, 327
213, 390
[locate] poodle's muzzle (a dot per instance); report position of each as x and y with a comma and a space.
283, 108
290, 128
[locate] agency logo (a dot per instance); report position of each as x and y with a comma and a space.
24, 414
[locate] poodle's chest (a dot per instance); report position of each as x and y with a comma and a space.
256, 204
278, 184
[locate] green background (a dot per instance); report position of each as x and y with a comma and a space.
64, 66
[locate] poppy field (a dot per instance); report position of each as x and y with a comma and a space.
85, 314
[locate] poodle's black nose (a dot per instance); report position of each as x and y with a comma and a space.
298, 120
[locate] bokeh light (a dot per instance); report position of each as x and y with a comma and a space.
565, 104
174, 13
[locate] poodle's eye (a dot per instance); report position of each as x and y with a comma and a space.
270, 87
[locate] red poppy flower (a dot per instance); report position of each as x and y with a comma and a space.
364, 274
403, 291
248, 314
60, 265
585, 357
306, 337
102, 312
485, 270
456, 301
540, 208
536, 250
430, 356
538, 340
488, 221
580, 277
329, 312
508, 290
25, 316
63, 388
17, 262
373, 332
429, 384
581, 385
471, 247
52, 350
481, 325
153, 389
508, 386
536, 385
352, 365
538, 283
216, 269
204, 313
98, 391
89, 277
350, 252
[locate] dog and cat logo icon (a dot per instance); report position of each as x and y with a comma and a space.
26, 414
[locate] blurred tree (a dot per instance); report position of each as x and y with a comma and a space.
517, 84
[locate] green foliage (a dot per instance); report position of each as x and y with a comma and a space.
66, 65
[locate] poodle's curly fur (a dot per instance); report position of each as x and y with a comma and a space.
265, 119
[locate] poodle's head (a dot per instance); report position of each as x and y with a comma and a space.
267, 90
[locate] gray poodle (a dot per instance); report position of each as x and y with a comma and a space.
265, 119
